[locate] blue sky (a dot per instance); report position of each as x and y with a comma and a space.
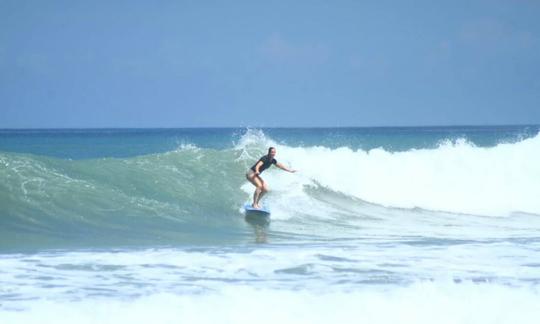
268, 63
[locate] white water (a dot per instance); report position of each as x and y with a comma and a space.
455, 177
422, 303
364, 282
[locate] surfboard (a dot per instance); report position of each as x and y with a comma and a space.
263, 211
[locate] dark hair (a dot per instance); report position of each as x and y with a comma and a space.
270, 149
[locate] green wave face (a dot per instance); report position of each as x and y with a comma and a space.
161, 198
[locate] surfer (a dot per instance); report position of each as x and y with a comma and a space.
254, 174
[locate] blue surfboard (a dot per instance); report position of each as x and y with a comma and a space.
263, 211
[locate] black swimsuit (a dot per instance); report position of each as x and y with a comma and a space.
266, 163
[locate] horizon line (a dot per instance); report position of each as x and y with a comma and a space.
259, 126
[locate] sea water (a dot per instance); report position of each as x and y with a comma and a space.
379, 225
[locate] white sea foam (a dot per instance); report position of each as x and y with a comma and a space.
456, 177
331, 267
421, 303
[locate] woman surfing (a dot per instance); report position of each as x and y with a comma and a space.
254, 175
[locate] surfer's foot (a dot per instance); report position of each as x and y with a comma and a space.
256, 206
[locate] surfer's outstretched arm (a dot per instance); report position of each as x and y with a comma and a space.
282, 167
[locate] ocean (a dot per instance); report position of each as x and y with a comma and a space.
379, 225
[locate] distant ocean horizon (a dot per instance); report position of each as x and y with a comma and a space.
380, 224
45, 128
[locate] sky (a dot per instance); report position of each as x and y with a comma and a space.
93, 64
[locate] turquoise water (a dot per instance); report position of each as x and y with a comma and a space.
132, 225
